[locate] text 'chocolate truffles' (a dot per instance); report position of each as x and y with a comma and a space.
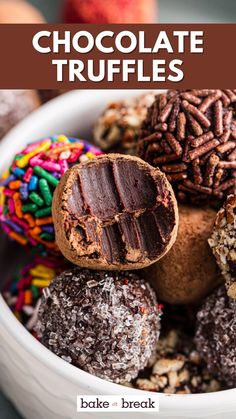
191, 136
114, 212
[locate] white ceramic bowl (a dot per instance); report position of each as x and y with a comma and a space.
41, 385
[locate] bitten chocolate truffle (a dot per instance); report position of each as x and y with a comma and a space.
106, 323
117, 129
191, 136
223, 243
14, 106
188, 272
216, 335
114, 212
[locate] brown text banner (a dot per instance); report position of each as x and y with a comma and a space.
117, 56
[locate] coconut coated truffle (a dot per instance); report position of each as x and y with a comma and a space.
117, 129
223, 243
216, 335
188, 272
106, 323
190, 136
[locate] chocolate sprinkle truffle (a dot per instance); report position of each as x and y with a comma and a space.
117, 129
216, 335
191, 136
114, 212
223, 243
106, 323
188, 272
14, 106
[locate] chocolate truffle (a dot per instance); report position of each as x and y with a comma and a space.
14, 106
176, 368
223, 243
16, 11
216, 335
117, 129
188, 272
114, 212
106, 323
191, 136
24, 288
27, 188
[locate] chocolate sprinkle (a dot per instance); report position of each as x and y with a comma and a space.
105, 323
216, 335
200, 131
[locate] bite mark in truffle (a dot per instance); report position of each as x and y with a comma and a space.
114, 212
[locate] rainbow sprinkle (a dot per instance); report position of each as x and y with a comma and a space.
24, 290
26, 189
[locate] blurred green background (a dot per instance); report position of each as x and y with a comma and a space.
170, 11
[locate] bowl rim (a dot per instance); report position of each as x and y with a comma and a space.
216, 400
87, 380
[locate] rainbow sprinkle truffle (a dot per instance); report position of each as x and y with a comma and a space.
26, 189
24, 290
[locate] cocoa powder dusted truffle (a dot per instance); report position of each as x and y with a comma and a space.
14, 106
106, 323
117, 129
191, 136
188, 272
223, 243
216, 335
114, 212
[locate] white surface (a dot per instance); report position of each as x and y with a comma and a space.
41, 385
